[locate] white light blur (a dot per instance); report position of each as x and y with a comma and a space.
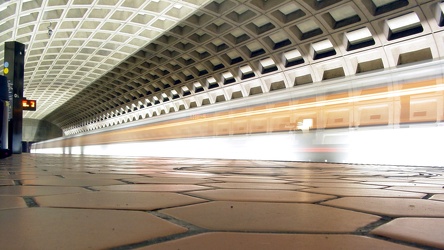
402, 146
419, 146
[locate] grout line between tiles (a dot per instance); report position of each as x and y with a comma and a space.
127, 182
30, 202
365, 230
181, 223
405, 243
428, 196
192, 230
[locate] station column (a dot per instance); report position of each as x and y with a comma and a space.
14, 68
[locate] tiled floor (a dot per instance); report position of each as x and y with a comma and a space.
74, 202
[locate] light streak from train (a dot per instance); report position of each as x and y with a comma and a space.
399, 122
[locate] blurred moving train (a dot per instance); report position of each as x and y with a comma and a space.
392, 116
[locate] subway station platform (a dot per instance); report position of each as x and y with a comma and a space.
86, 202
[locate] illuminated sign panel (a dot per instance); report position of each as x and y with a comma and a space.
30, 105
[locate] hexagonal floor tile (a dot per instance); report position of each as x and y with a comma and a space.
118, 200
70, 182
167, 180
271, 217
7, 202
339, 185
420, 189
6, 182
438, 197
365, 192
38, 190
258, 241
425, 231
394, 207
248, 179
260, 195
254, 185
151, 187
57, 228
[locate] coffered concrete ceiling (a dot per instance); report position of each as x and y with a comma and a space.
89, 38
109, 62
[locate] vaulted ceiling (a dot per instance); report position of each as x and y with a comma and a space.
109, 62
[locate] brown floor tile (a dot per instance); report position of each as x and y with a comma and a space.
151, 187
7, 202
425, 231
339, 185
271, 217
365, 192
38, 190
428, 190
118, 200
393, 207
167, 180
438, 197
6, 182
70, 182
258, 241
302, 179
186, 174
97, 176
30, 177
260, 195
373, 179
272, 196
431, 181
124, 171
237, 179
401, 184
254, 185
55, 228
